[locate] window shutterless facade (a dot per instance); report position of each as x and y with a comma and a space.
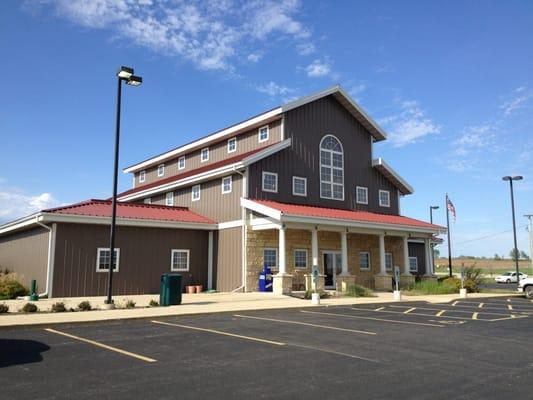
270, 257
299, 186
181, 162
270, 182
232, 145
364, 260
361, 195
413, 264
226, 184
169, 199
204, 155
179, 260
300, 258
263, 134
103, 259
388, 261
384, 198
331, 168
142, 176
161, 170
195, 193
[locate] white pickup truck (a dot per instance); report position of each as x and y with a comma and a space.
526, 286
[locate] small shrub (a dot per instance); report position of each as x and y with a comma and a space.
29, 308
359, 291
153, 303
10, 288
470, 285
58, 307
432, 287
130, 304
4, 308
85, 306
323, 294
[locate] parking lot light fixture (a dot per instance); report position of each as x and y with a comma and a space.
431, 208
510, 179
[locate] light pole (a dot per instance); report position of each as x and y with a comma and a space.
431, 208
515, 250
124, 74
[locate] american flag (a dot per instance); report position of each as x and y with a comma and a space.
451, 208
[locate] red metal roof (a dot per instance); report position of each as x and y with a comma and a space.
349, 215
196, 171
102, 208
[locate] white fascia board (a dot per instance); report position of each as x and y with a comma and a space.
267, 152
20, 223
261, 209
84, 219
232, 130
266, 227
230, 224
408, 189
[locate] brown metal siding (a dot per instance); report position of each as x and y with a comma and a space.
26, 254
417, 250
217, 152
227, 260
307, 125
213, 204
145, 254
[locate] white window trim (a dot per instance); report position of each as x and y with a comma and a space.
263, 182
294, 178
357, 194
169, 196
199, 193
142, 176
161, 170
230, 184
267, 135
369, 262
172, 252
179, 163
331, 167
235, 149
202, 154
148, 200
388, 196
392, 261
416, 260
306, 258
117, 262
277, 259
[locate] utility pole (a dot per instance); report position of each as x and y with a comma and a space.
530, 228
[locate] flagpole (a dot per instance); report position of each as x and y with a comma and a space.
449, 242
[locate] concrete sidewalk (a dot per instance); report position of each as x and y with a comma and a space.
203, 303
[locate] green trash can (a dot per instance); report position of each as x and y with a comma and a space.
170, 290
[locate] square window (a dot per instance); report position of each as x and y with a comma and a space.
142, 176
169, 199
204, 155
413, 264
148, 200
161, 170
325, 158
384, 198
226, 184
299, 186
270, 258
195, 193
300, 258
337, 160
181, 162
103, 259
270, 182
338, 192
325, 190
263, 134
179, 260
232, 145
364, 260
361, 195
388, 261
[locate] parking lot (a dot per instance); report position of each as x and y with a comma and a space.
466, 349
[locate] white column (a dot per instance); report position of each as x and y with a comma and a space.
344, 252
314, 247
406, 256
210, 261
427, 248
282, 254
382, 264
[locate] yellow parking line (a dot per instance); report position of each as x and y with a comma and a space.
510, 307
474, 316
512, 316
306, 324
481, 305
104, 346
440, 313
408, 311
417, 313
372, 318
221, 333
455, 302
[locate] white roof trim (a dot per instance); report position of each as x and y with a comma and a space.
211, 173
232, 130
392, 175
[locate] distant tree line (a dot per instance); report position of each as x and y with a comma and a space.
522, 255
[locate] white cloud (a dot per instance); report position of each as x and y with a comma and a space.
15, 204
474, 138
273, 89
357, 89
518, 100
318, 68
305, 49
211, 34
410, 125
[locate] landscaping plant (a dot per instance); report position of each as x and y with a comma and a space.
29, 308
433, 287
322, 294
58, 307
4, 308
359, 291
85, 306
10, 288
153, 303
130, 304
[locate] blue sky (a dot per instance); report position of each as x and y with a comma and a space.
451, 82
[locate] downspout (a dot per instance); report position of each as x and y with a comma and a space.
243, 230
51, 253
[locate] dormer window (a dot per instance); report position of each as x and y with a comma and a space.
384, 198
263, 134
232, 145
204, 155
161, 170
169, 199
142, 176
331, 168
181, 162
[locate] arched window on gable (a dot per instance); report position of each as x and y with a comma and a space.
331, 168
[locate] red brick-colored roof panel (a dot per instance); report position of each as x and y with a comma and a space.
102, 208
349, 215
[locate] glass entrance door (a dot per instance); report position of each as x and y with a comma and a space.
332, 267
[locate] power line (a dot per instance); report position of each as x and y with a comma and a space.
489, 236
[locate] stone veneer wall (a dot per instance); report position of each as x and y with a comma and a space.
301, 239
